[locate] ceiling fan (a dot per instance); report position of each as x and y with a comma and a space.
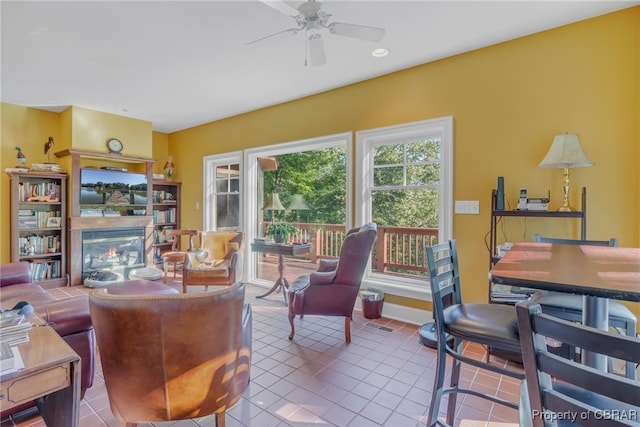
312, 20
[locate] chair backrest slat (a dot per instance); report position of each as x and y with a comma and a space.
565, 386
442, 260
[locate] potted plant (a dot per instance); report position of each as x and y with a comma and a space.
281, 231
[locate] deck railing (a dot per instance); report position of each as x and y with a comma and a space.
398, 250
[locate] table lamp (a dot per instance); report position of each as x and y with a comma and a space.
273, 204
298, 204
566, 152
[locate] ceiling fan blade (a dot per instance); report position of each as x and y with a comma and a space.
282, 7
272, 37
316, 50
362, 32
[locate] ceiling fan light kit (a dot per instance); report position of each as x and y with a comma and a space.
312, 20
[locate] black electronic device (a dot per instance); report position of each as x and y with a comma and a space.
500, 194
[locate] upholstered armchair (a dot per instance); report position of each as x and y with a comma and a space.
173, 356
216, 262
333, 289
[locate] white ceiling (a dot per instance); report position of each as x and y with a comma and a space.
179, 64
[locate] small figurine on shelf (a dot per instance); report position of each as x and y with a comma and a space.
168, 167
22, 159
47, 148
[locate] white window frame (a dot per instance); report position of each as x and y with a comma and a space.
209, 191
251, 171
365, 141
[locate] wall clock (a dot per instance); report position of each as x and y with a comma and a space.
115, 146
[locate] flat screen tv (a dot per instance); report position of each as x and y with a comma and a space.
112, 188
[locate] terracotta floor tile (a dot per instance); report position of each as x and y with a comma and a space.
383, 378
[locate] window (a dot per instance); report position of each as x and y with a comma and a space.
222, 192
316, 170
405, 185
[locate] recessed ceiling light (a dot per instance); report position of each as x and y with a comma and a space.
379, 52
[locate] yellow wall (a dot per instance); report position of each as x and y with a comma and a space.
28, 129
75, 127
160, 151
508, 102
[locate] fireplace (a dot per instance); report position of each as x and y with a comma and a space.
109, 255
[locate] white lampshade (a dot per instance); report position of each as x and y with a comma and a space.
566, 151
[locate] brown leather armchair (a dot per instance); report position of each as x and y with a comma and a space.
173, 357
333, 289
221, 266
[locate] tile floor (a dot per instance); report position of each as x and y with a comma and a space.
383, 378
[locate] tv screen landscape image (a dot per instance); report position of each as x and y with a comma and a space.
112, 188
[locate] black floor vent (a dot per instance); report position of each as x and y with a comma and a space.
382, 328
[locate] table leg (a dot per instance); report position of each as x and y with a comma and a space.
596, 315
281, 283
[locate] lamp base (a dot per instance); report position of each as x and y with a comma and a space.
566, 209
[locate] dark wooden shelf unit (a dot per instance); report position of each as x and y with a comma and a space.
35, 198
166, 215
496, 215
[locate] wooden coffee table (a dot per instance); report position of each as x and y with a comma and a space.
51, 377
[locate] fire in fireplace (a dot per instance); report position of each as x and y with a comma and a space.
112, 253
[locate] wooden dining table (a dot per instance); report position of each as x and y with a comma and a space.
599, 273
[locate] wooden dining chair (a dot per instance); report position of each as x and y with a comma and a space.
569, 306
566, 390
491, 325
174, 259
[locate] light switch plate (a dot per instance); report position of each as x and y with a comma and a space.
467, 207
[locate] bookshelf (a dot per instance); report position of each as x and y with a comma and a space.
38, 225
166, 215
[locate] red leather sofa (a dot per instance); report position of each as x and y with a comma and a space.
69, 317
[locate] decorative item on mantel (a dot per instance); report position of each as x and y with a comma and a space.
168, 167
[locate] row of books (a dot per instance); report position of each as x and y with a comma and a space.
39, 244
165, 216
161, 196
163, 235
37, 219
27, 190
45, 269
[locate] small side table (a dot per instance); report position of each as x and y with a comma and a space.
281, 250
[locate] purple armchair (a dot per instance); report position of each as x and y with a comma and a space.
332, 290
